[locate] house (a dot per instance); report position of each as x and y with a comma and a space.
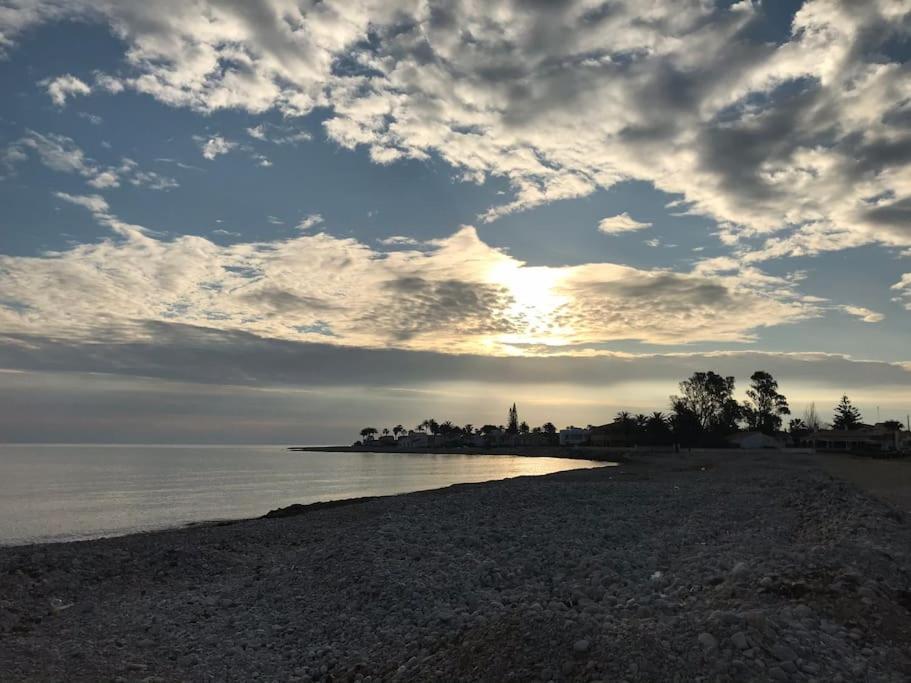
415, 440
386, 440
574, 436
615, 434
755, 440
878, 438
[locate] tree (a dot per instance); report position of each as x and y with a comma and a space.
398, 429
765, 406
487, 429
385, 431
523, 427
893, 425
468, 429
513, 420
549, 428
709, 399
657, 430
447, 428
431, 425
626, 422
368, 431
846, 415
798, 428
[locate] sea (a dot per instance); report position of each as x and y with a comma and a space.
53, 493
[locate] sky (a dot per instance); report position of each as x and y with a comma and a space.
278, 221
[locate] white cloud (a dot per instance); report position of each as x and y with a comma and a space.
215, 146
310, 221
61, 153
561, 99
93, 202
621, 223
865, 314
455, 294
258, 132
63, 87
903, 287
800, 142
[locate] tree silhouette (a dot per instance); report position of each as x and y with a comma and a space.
549, 428
523, 428
846, 415
709, 398
765, 406
368, 431
797, 427
513, 420
398, 429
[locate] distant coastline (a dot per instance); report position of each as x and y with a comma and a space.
572, 452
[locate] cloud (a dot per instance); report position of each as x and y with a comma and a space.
310, 221
94, 203
62, 87
189, 385
864, 314
903, 287
279, 135
61, 153
620, 223
101, 212
455, 294
802, 142
215, 146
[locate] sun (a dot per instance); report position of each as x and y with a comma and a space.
536, 301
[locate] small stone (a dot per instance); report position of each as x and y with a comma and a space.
739, 640
778, 674
740, 570
783, 653
581, 646
708, 642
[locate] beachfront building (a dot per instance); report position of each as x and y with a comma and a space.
613, 434
574, 436
415, 440
878, 438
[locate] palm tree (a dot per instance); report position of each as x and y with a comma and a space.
398, 429
468, 429
368, 431
385, 431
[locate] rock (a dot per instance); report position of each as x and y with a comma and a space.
581, 646
707, 641
776, 673
740, 570
783, 653
739, 640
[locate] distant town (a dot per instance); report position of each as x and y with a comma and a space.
704, 414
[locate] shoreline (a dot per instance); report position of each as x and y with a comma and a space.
290, 510
702, 567
595, 453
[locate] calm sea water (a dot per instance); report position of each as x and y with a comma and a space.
67, 492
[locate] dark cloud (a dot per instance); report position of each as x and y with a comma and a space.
206, 356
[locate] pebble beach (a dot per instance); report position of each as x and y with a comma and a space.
746, 567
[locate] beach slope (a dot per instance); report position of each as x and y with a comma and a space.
729, 567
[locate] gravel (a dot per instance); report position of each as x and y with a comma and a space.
732, 568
